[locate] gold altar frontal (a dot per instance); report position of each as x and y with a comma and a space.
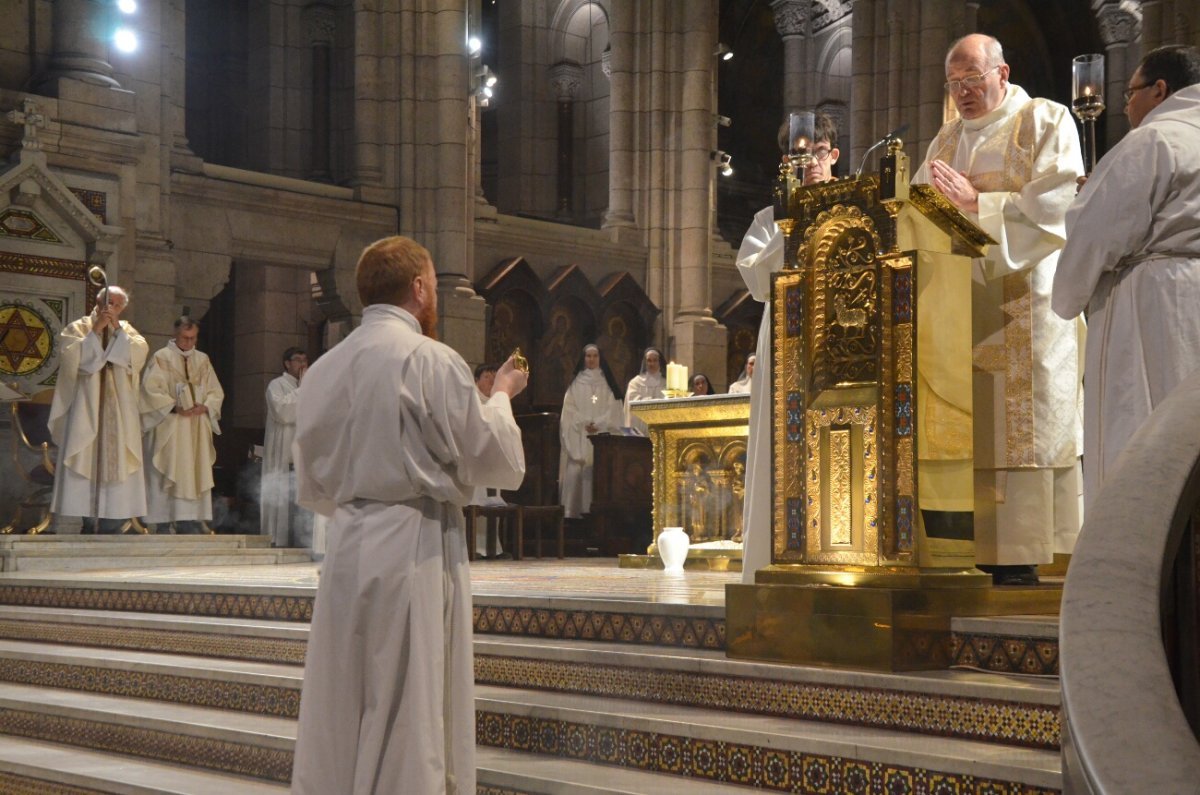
871, 422
699, 475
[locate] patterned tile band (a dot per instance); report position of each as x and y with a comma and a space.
15, 784
203, 644
259, 699
1005, 654
690, 632
734, 763
994, 721
228, 757
269, 607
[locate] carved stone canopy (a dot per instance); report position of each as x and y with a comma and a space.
567, 78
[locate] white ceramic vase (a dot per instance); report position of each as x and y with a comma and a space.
673, 546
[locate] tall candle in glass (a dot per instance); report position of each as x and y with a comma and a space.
1087, 100
801, 129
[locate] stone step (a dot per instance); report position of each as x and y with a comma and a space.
764, 752
1005, 709
172, 651
512, 771
81, 553
257, 688
706, 745
85, 560
255, 746
35, 766
47, 542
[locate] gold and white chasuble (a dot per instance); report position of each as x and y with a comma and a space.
76, 422
179, 450
1023, 158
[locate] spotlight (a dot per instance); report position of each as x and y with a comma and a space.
127, 6
722, 121
723, 52
474, 45
125, 40
724, 162
486, 76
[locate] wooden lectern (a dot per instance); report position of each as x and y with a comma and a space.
871, 394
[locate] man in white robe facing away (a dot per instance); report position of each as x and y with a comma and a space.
1010, 164
80, 418
279, 512
391, 439
1132, 259
181, 408
591, 405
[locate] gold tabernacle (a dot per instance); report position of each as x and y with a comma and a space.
871, 422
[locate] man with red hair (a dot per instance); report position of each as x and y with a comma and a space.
392, 437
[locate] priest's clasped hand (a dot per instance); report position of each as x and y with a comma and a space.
955, 186
510, 380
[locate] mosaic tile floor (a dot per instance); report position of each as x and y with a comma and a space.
581, 578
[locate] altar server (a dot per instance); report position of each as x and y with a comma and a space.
391, 439
279, 512
1132, 258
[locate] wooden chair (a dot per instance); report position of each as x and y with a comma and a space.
31, 435
538, 494
508, 517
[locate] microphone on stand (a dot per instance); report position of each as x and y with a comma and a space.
893, 135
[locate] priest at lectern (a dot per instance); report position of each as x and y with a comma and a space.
1010, 164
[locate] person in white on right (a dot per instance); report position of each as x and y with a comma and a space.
592, 405
742, 386
1132, 259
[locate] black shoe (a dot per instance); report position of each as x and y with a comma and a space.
1012, 575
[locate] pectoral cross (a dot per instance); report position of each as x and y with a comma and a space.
594, 399
31, 120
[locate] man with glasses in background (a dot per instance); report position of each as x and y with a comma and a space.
1010, 162
1132, 258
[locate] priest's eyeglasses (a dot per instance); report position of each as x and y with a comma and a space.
970, 83
1129, 92
821, 155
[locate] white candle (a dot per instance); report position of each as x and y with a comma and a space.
676, 376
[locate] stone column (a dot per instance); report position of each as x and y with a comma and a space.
971, 18
369, 112
1120, 26
566, 77
174, 30
621, 149
319, 24
699, 340
79, 51
443, 219
791, 21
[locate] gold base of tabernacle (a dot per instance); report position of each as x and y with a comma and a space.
697, 560
866, 624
